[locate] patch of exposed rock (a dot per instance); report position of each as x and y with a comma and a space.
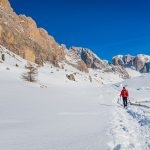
70, 77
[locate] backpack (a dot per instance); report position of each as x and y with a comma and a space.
124, 93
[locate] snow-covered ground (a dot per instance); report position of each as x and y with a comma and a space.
58, 114
132, 72
131, 127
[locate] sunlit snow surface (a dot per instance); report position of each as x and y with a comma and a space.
58, 114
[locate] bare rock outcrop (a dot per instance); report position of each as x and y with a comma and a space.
123, 60
6, 4
89, 58
21, 35
70, 77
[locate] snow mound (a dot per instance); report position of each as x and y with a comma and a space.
133, 73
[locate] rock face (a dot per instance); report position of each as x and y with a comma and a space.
140, 62
21, 35
123, 60
6, 4
89, 58
85, 59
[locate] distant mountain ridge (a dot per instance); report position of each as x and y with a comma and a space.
140, 62
91, 60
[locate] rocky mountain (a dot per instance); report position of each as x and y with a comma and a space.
90, 60
86, 58
21, 35
139, 62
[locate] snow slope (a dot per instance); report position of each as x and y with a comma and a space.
54, 113
58, 114
131, 127
133, 73
53, 75
57, 117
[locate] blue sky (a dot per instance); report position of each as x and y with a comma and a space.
108, 27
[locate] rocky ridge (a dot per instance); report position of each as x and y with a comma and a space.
92, 61
139, 62
21, 35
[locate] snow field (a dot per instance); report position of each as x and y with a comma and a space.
58, 114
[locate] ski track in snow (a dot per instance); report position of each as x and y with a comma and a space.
130, 127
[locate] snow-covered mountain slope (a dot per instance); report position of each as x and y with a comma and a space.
49, 74
11, 59
53, 113
132, 72
58, 114
84, 59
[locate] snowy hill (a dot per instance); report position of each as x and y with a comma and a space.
56, 113
132, 72
49, 74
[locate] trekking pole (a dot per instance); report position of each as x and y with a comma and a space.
129, 101
120, 98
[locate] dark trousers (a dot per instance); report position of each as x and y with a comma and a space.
125, 101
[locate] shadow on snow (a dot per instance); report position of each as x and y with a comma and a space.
142, 119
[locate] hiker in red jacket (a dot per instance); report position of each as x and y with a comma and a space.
124, 94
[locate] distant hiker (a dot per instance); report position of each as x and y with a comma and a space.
124, 94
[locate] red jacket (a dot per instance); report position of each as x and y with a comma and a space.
124, 93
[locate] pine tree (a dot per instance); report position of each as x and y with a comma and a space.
31, 74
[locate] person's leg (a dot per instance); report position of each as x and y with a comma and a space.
124, 102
